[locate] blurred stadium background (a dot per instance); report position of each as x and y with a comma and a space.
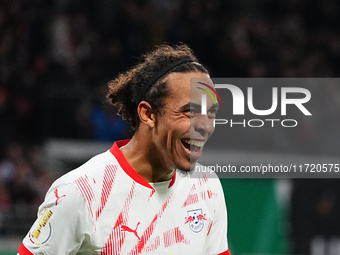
57, 55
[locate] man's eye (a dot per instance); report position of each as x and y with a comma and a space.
191, 110
213, 111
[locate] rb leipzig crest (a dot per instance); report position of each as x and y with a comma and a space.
195, 220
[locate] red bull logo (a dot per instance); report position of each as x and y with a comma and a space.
195, 220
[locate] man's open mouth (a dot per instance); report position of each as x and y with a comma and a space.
192, 145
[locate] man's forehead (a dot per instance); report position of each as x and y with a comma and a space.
183, 82
183, 88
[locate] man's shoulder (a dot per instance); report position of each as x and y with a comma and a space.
94, 167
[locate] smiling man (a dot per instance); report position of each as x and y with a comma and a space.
142, 196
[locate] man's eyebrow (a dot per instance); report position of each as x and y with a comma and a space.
197, 106
213, 107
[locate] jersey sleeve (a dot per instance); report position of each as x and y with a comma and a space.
63, 223
217, 236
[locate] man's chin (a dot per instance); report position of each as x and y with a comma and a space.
187, 169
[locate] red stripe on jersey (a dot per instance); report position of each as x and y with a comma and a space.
109, 177
173, 180
192, 197
151, 194
23, 250
86, 190
209, 228
225, 253
149, 230
155, 243
116, 239
202, 180
174, 236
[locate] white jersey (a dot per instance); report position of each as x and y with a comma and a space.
105, 207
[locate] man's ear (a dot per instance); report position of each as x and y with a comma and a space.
146, 114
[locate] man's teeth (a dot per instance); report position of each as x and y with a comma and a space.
195, 143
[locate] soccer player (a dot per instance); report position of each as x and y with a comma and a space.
142, 196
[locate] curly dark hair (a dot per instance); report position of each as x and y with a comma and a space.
124, 90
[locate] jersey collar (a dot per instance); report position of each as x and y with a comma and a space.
115, 150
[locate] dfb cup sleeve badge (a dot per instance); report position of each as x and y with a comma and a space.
41, 229
195, 220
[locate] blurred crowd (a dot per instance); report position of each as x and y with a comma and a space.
56, 57
24, 180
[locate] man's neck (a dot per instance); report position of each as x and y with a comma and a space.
143, 158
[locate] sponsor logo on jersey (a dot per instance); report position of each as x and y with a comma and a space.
134, 231
42, 231
195, 220
57, 196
